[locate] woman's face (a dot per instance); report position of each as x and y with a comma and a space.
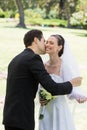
51, 46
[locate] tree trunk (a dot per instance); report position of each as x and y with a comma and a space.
68, 13
48, 6
21, 13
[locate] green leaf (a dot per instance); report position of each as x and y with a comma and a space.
41, 116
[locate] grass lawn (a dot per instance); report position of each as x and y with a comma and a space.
11, 43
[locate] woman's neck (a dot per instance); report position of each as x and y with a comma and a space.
54, 60
53, 65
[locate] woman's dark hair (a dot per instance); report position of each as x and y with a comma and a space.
60, 41
30, 35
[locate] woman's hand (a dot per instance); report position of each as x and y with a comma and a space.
43, 101
76, 81
81, 100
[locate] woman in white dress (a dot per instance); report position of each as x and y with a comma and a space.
54, 110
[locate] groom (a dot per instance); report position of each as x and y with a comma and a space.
25, 71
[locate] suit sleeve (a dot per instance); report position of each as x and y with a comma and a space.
39, 72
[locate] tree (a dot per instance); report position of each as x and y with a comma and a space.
7, 5
21, 13
61, 3
67, 8
48, 6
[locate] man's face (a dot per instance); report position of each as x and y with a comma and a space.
41, 46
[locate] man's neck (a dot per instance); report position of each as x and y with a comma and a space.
33, 48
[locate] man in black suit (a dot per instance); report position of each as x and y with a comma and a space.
25, 71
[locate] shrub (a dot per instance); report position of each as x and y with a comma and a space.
29, 13
79, 19
2, 14
53, 14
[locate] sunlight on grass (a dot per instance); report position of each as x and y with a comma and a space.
2, 87
1, 126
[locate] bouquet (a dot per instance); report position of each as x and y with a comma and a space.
47, 97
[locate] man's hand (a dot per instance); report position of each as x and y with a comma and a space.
76, 81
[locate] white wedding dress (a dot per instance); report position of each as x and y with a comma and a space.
57, 115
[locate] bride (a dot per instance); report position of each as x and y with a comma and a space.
54, 110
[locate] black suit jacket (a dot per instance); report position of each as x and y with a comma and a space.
25, 71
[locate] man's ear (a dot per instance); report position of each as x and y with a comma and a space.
35, 39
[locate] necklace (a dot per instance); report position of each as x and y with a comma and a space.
53, 68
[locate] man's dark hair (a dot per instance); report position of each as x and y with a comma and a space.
30, 35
